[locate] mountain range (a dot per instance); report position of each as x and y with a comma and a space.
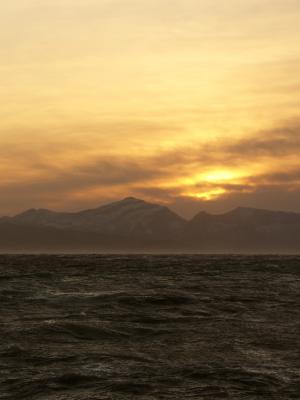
133, 225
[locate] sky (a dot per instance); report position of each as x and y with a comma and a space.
193, 104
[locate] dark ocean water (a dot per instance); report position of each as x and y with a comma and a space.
149, 327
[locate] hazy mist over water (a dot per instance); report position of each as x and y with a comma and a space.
149, 327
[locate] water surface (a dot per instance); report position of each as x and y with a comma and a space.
149, 327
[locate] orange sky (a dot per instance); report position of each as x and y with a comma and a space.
191, 103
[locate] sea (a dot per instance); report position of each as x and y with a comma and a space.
120, 327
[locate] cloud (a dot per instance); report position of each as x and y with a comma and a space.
272, 143
89, 179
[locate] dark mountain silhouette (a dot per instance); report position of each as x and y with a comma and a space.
245, 229
129, 218
137, 226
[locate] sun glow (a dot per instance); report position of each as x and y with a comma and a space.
214, 176
220, 176
208, 186
208, 195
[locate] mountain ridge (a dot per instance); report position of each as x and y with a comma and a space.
231, 211
128, 216
135, 224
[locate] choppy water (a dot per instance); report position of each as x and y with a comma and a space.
149, 327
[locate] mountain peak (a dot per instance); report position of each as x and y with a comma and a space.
33, 211
132, 200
